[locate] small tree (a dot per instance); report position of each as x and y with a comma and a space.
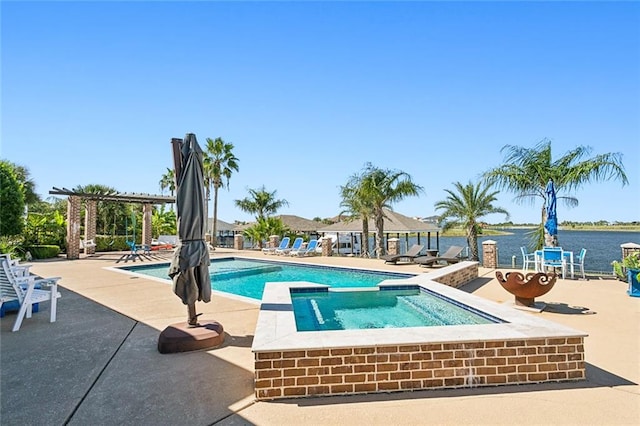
12, 196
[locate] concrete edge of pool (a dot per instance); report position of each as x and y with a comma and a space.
523, 349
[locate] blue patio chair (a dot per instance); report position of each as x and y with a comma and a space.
283, 245
553, 257
579, 261
297, 243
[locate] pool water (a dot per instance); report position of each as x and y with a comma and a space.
353, 310
248, 278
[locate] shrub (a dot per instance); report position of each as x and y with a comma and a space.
43, 251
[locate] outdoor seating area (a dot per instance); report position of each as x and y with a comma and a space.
452, 255
26, 291
413, 252
556, 259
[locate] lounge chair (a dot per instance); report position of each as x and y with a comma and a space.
309, 250
452, 255
283, 245
20, 270
410, 255
24, 291
297, 243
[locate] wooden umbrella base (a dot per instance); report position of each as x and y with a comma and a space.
181, 337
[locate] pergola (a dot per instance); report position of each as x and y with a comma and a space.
74, 203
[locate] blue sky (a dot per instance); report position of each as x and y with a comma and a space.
308, 92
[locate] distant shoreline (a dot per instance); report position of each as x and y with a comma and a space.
503, 230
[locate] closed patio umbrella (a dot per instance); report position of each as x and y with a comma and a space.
551, 222
189, 268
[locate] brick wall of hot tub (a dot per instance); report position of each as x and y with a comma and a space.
301, 373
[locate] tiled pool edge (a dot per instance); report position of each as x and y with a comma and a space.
527, 350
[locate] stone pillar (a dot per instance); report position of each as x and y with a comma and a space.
274, 241
393, 246
73, 227
147, 235
238, 242
629, 248
490, 254
90, 216
327, 246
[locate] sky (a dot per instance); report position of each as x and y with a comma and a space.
309, 92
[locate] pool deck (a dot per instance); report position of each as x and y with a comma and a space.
98, 364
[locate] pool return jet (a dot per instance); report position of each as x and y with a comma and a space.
189, 267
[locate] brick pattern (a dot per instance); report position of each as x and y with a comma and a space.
73, 227
147, 215
457, 277
312, 372
274, 241
90, 217
327, 247
490, 254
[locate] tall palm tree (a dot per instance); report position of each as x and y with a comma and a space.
168, 181
219, 164
526, 172
378, 189
356, 208
465, 207
261, 203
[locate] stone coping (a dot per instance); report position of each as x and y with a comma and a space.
276, 329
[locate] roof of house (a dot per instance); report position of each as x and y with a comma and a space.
394, 222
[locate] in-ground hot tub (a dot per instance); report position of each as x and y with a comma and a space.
517, 348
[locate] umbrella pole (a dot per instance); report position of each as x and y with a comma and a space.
192, 317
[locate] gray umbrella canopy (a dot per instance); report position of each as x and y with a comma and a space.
190, 264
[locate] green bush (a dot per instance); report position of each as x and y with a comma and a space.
113, 243
12, 196
43, 251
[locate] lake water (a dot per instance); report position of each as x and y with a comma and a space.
602, 247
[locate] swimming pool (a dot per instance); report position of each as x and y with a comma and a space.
248, 277
387, 308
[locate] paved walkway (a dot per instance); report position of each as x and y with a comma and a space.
98, 364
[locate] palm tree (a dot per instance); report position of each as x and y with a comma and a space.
378, 189
526, 172
219, 164
261, 203
465, 207
356, 208
168, 181
264, 227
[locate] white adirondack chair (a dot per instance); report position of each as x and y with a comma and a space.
23, 289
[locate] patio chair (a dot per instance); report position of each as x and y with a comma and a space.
24, 291
20, 270
410, 255
553, 257
297, 243
307, 251
452, 255
283, 245
527, 258
579, 261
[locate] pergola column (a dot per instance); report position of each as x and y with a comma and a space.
146, 223
73, 227
90, 225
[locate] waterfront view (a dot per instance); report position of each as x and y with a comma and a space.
603, 247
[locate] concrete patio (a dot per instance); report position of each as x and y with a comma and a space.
98, 363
